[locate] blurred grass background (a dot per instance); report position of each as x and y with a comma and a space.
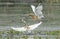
12, 11
11, 14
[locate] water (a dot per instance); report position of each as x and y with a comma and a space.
39, 28
11, 16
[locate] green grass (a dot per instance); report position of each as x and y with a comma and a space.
57, 33
51, 13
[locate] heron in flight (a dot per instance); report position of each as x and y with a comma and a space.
28, 28
37, 11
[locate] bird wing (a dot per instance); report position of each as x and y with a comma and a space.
38, 11
18, 29
33, 8
40, 7
32, 27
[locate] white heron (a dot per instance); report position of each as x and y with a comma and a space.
37, 11
27, 28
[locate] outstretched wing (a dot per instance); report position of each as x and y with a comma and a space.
38, 11
40, 7
18, 29
33, 8
32, 27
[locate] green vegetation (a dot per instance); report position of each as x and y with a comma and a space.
12, 33
9, 17
35, 32
53, 33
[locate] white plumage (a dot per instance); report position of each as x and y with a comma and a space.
31, 27
38, 11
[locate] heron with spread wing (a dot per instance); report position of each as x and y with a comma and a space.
37, 11
38, 14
